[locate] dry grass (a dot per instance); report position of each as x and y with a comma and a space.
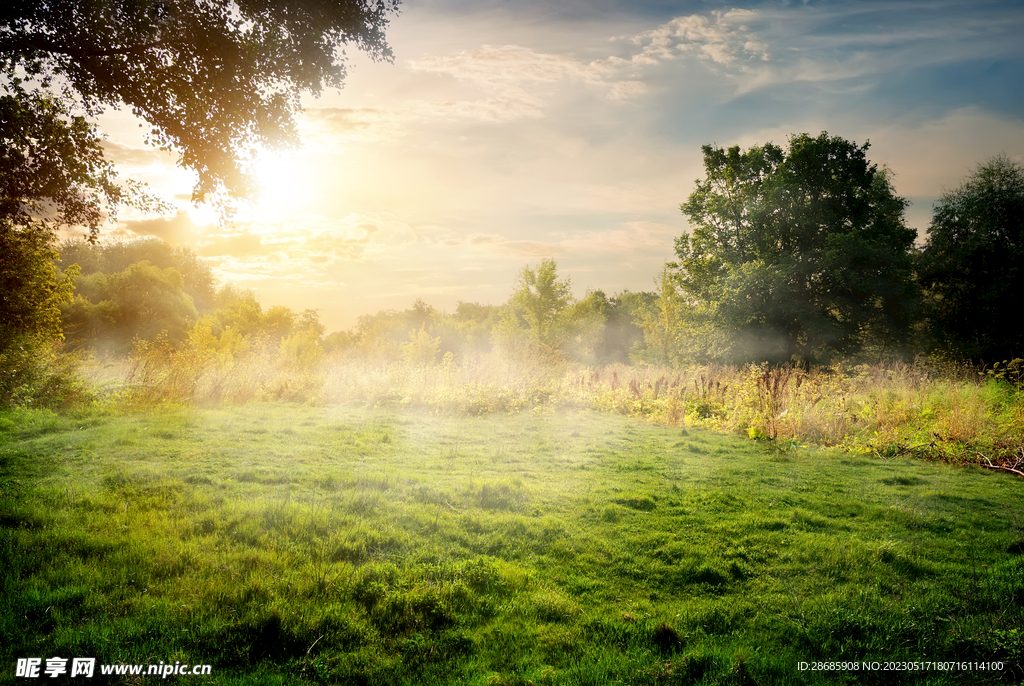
948, 413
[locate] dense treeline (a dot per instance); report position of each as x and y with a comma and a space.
128, 293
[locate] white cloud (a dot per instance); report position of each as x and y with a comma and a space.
520, 81
721, 37
500, 68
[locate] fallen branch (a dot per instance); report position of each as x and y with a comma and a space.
989, 465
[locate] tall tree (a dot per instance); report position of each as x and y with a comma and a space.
537, 323
971, 266
800, 253
675, 327
141, 302
50, 165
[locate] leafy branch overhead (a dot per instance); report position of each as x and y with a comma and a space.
215, 80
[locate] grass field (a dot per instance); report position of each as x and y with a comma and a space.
291, 544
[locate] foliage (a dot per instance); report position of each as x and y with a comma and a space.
52, 173
604, 330
971, 264
138, 290
422, 348
52, 165
597, 329
798, 254
32, 290
33, 374
586, 329
143, 301
110, 257
467, 331
384, 335
621, 332
538, 315
677, 329
215, 80
542, 300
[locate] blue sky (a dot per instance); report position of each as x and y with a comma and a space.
507, 132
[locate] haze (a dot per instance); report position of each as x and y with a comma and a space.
505, 133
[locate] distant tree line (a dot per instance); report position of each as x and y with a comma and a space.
796, 255
126, 292
144, 289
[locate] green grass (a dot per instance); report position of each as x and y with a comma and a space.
293, 544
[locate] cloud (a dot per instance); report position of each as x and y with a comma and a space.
721, 37
452, 238
237, 245
533, 249
177, 230
523, 82
385, 124
632, 238
969, 137
499, 68
373, 232
296, 251
848, 47
626, 90
520, 80
370, 124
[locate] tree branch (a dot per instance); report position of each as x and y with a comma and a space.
45, 44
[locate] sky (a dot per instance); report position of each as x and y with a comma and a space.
508, 132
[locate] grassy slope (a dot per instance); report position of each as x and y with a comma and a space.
293, 544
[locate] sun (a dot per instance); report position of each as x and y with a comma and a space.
287, 183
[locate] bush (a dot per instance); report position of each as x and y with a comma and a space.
40, 374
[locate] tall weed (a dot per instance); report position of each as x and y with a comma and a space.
927, 408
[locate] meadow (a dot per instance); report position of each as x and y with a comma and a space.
496, 536
929, 408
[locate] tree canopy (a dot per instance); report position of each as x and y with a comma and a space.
215, 79
971, 265
798, 253
541, 298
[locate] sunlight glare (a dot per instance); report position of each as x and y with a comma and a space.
286, 184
